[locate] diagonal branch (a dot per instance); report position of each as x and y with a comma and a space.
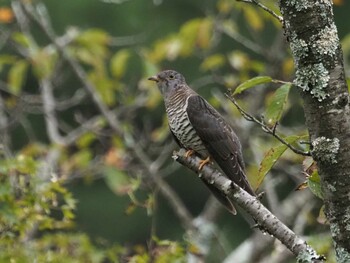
45, 26
266, 220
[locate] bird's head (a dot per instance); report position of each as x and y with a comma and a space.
168, 81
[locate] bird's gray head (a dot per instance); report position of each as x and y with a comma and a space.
169, 81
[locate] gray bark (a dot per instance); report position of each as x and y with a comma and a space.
266, 221
309, 27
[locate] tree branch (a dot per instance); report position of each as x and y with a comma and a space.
49, 111
266, 128
45, 26
255, 2
266, 220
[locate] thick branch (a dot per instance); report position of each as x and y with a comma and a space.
265, 219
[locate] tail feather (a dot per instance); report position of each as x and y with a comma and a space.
224, 200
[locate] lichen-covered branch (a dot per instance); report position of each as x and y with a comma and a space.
266, 220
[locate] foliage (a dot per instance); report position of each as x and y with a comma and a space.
61, 93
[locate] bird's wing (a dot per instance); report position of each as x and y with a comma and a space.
219, 139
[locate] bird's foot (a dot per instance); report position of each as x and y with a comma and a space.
189, 153
203, 162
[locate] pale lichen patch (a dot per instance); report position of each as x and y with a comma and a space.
326, 41
313, 77
299, 5
331, 187
325, 149
299, 47
342, 255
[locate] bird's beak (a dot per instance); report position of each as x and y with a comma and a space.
154, 78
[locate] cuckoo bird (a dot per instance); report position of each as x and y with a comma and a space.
200, 129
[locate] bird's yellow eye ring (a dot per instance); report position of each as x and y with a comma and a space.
171, 77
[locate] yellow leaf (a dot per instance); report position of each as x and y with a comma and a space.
253, 17
93, 36
17, 76
118, 63
338, 2
288, 67
188, 35
105, 87
213, 62
204, 33
224, 6
44, 63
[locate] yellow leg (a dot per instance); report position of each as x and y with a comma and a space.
189, 153
203, 162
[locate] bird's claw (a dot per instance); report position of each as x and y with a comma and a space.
203, 162
189, 153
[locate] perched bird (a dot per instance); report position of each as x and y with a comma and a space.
200, 129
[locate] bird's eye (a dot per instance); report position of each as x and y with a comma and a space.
171, 77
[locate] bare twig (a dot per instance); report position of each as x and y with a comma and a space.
49, 111
242, 40
255, 2
266, 128
4, 135
45, 26
173, 199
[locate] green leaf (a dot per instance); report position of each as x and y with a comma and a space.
253, 17
213, 62
91, 47
25, 164
196, 33
188, 35
150, 68
275, 108
118, 181
93, 37
86, 139
17, 76
7, 60
313, 181
82, 158
273, 155
119, 63
251, 83
44, 62
104, 86
229, 27
22, 39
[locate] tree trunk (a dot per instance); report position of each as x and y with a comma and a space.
310, 29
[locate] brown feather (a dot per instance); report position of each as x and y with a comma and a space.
219, 139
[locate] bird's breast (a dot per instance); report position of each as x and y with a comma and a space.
183, 130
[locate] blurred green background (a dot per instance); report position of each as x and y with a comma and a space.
140, 26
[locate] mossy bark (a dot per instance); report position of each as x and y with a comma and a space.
310, 29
